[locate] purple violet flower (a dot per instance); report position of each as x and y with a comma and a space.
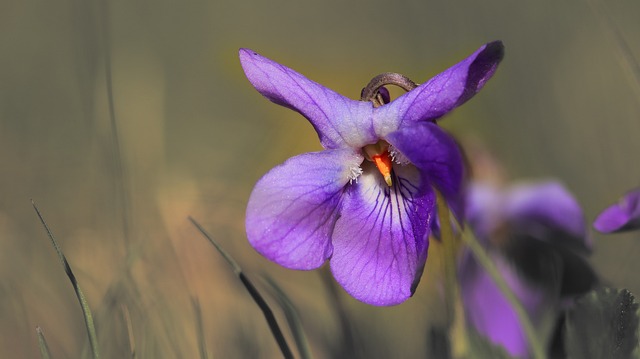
622, 216
365, 202
536, 235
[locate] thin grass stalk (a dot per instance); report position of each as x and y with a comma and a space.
600, 10
293, 319
127, 320
118, 158
86, 311
202, 345
257, 298
348, 335
42, 343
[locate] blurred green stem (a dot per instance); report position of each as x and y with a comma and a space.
42, 343
448, 243
485, 261
127, 320
455, 312
202, 345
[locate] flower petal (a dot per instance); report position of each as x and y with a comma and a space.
489, 312
547, 210
437, 156
484, 209
622, 216
443, 93
339, 121
293, 208
380, 240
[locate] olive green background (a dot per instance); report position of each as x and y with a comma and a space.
191, 137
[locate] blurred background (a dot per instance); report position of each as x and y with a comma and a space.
188, 135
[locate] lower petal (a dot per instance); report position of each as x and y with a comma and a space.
381, 239
293, 208
488, 311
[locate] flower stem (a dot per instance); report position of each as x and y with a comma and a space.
387, 78
483, 259
455, 311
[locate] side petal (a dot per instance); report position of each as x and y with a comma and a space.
381, 238
622, 216
293, 208
448, 90
437, 156
339, 121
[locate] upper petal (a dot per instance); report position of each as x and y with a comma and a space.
622, 216
547, 210
437, 156
293, 208
438, 96
339, 121
380, 240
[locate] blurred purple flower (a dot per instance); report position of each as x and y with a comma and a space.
536, 236
622, 216
372, 223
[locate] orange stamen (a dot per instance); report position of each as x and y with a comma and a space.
383, 162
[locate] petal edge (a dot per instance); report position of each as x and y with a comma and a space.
444, 92
293, 208
338, 120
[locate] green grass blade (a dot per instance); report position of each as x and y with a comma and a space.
599, 8
199, 328
86, 311
42, 343
257, 298
122, 177
127, 320
293, 319
351, 343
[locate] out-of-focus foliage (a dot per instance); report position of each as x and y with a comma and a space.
603, 324
193, 137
